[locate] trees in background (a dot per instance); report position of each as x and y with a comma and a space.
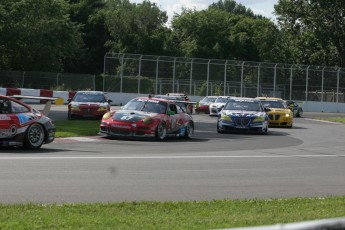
37, 35
74, 35
312, 32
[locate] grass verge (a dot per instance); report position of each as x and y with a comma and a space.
76, 128
214, 214
334, 119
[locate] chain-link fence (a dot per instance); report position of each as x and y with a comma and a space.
132, 73
44, 80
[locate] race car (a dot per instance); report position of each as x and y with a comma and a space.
23, 126
186, 105
280, 115
203, 106
88, 104
183, 97
295, 108
243, 115
217, 105
148, 117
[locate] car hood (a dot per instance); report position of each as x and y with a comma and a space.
131, 115
279, 110
74, 103
243, 113
219, 104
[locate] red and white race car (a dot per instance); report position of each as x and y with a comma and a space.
148, 117
23, 126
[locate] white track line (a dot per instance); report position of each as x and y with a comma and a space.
164, 157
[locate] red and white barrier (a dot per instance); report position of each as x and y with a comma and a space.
37, 93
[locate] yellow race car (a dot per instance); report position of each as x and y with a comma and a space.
279, 115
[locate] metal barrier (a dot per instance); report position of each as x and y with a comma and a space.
203, 77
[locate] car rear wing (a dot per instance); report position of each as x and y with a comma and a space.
48, 101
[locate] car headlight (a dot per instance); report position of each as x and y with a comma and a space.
75, 107
287, 115
106, 116
259, 119
225, 117
102, 108
147, 120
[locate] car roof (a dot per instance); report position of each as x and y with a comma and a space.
269, 98
244, 99
90, 92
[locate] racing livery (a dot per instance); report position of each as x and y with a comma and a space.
23, 126
88, 104
148, 117
243, 115
218, 105
203, 106
279, 115
295, 108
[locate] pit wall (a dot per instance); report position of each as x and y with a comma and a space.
123, 98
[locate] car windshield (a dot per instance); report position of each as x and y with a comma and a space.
274, 104
243, 105
208, 99
146, 105
221, 100
89, 97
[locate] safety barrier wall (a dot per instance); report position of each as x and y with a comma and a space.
123, 98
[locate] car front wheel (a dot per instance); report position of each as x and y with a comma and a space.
161, 132
34, 137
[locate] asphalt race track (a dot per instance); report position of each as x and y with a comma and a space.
305, 161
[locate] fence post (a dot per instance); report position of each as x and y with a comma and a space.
191, 77
121, 77
338, 77
156, 90
139, 73
242, 72
258, 86
225, 68
322, 82
208, 76
174, 72
275, 80
306, 83
291, 83
23, 79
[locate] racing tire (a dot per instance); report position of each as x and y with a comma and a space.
34, 136
189, 130
161, 132
264, 131
219, 130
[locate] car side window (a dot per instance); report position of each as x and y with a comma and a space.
18, 108
5, 106
179, 109
172, 108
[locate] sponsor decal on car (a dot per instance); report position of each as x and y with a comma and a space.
6, 133
5, 118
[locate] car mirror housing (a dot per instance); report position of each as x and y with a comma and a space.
171, 113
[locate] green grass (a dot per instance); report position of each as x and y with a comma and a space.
170, 215
334, 119
76, 128
215, 214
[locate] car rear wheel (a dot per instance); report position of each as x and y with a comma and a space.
161, 132
189, 130
34, 137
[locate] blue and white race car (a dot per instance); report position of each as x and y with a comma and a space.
243, 115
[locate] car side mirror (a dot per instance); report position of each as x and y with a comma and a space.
109, 101
267, 109
69, 99
171, 113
